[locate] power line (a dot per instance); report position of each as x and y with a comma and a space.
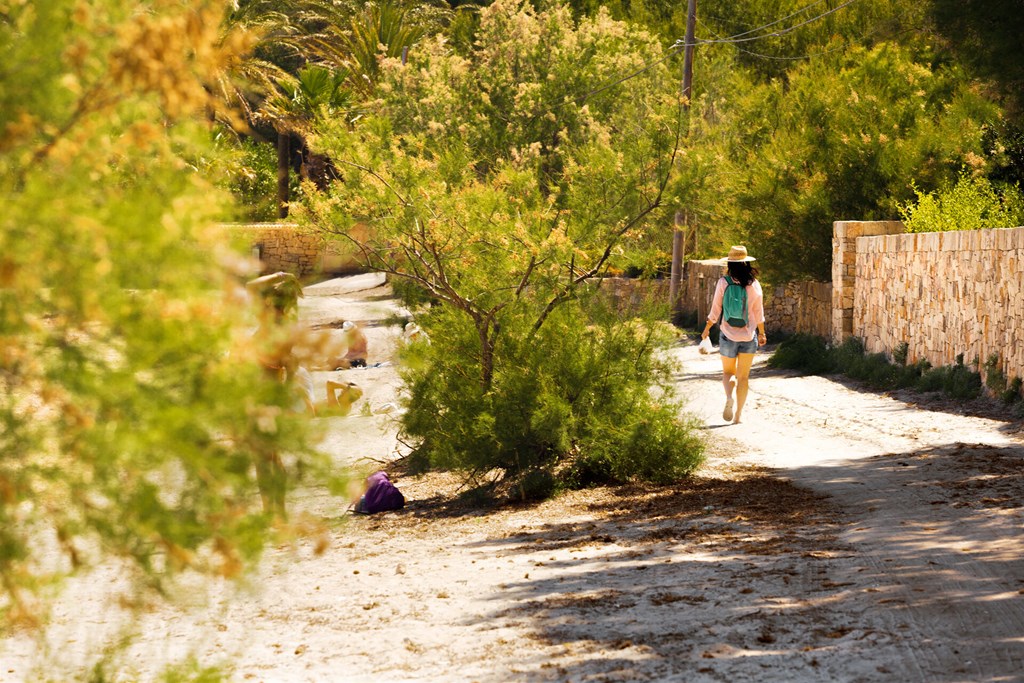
682, 45
776, 34
777, 57
672, 53
873, 32
793, 58
778, 21
773, 34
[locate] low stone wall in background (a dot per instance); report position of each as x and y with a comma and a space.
792, 307
629, 295
285, 247
697, 289
944, 294
804, 307
289, 247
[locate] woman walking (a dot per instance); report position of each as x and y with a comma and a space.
738, 308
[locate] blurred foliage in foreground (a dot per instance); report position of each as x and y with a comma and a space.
133, 414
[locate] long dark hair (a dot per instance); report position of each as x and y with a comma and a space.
742, 272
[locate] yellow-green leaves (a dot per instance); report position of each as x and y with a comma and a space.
500, 182
133, 413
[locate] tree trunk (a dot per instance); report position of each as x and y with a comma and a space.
283, 167
317, 168
486, 356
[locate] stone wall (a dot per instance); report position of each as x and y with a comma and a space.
629, 294
844, 262
792, 307
804, 307
288, 247
944, 294
697, 288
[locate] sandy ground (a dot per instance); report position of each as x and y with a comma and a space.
837, 535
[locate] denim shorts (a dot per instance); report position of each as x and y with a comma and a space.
730, 349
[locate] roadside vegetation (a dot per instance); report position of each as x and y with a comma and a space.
971, 203
136, 424
811, 355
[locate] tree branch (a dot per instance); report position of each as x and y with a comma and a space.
379, 178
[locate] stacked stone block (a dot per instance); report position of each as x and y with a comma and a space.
293, 249
629, 295
283, 246
944, 294
844, 266
804, 307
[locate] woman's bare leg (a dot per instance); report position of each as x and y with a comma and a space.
728, 383
744, 361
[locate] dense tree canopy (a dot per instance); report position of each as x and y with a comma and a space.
986, 37
841, 139
790, 92
804, 113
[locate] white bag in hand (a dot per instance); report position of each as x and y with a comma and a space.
705, 345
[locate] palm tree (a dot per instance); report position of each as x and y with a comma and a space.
291, 35
318, 92
315, 58
385, 30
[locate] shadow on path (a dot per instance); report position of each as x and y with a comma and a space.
915, 574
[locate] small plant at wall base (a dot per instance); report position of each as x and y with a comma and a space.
899, 354
687, 320
1015, 392
995, 380
1008, 391
957, 380
805, 352
812, 355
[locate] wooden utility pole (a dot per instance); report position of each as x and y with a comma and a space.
691, 29
677, 235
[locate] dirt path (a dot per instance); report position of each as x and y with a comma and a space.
835, 536
932, 514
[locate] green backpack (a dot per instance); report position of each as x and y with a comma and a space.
734, 304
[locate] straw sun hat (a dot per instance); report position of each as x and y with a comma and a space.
737, 254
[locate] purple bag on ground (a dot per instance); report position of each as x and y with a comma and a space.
381, 495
